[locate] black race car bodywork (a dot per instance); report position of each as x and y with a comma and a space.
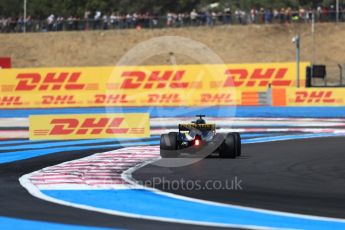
199, 137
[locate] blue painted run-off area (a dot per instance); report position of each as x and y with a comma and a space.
148, 203
22, 152
19, 224
12, 156
240, 111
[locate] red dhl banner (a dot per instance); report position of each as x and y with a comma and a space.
5, 63
184, 85
308, 97
90, 126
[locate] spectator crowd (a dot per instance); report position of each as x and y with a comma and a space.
100, 20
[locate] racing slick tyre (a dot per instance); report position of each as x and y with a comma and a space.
168, 145
228, 148
238, 144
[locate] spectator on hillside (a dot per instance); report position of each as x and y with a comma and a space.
169, 19
193, 17
97, 20
319, 13
282, 15
4, 26
275, 15
20, 24
240, 16
288, 15
310, 14
29, 24
113, 20
253, 15
227, 15
203, 18
302, 14
106, 21
129, 21
180, 19
154, 20
209, 18
50, 21
332, 13
70, 22
59, 23
77, 23
244, 17
262, 15
13, 24
87, 16
214, 17
268, 16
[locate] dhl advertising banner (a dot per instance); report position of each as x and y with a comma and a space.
185, 85
89, 126
308, 97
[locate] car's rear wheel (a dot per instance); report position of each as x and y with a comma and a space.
169, 145
238, 144
228, 148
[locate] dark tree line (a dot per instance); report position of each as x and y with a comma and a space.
43, 8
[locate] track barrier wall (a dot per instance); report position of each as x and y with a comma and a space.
183, 85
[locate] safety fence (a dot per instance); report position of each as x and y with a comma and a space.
177, 20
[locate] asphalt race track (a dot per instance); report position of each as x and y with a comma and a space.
300, 176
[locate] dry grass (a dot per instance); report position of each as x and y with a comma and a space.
233, 44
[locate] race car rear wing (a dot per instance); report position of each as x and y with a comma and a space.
201, 127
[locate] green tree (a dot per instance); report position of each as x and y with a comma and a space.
11, 7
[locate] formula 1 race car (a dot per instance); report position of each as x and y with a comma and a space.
197, 137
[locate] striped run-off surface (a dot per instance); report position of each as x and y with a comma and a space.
99, 171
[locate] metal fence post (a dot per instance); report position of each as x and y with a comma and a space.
297, 40
24, 17
340, 74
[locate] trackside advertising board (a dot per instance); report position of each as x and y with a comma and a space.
184, 85
308, 97
89, 126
